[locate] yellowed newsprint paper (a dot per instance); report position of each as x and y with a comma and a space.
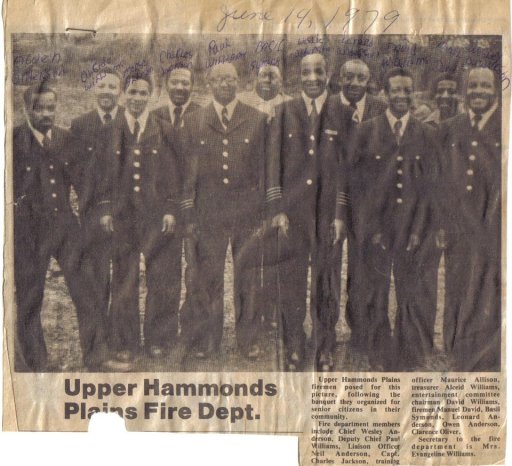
260, 217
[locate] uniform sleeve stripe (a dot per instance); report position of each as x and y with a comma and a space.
104, 202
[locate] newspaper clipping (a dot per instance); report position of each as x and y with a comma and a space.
262, 217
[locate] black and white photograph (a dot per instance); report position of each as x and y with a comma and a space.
257, 203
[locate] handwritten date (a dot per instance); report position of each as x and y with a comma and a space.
350, 21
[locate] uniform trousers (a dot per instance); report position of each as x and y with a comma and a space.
472, 316
135, 233
416, 303
308, 239
36, 240
98, 248
206, 320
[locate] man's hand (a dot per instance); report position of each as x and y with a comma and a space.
377, 241
107, 223
168, 224
413, 243
441, 240
281, 222
338, 231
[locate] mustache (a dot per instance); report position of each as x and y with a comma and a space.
104, 95
479, 95
402, 99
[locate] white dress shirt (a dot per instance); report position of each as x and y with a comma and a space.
358, 114
229, 107
142, 119
319, 102
392, 119
172, 107
485, 116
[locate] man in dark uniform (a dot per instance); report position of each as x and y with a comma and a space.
308, 134
92, 132
45, 226
354, 78
445, 92
391, 170
138, 203
266, 96
224, 194
179, 85
472, 316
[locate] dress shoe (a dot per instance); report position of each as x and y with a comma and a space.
156, 351
294, 363
254, 352
115, 365
325, 362
201, 355
125, 356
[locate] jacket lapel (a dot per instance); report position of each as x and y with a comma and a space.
238, 117
212, 119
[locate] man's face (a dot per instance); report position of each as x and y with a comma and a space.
313, 75
179, 86
354, 79
446, 96
481, 92
42, 111
400, 94
223, 81
137, 97
107, 92
269, 82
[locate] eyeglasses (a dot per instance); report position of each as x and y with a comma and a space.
226, 79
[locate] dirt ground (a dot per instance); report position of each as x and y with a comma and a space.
61, 334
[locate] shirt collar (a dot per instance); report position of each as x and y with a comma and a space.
268, 106
319, 102
183, 108
38, 135
485, 116
360, 105
112, 113
142, 119
392, 119
230, 108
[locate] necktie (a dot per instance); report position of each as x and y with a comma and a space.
136, 130
398, 127
313, 116
107, 118
355, 115
476, 121
177, 115
46, 141
224, 115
